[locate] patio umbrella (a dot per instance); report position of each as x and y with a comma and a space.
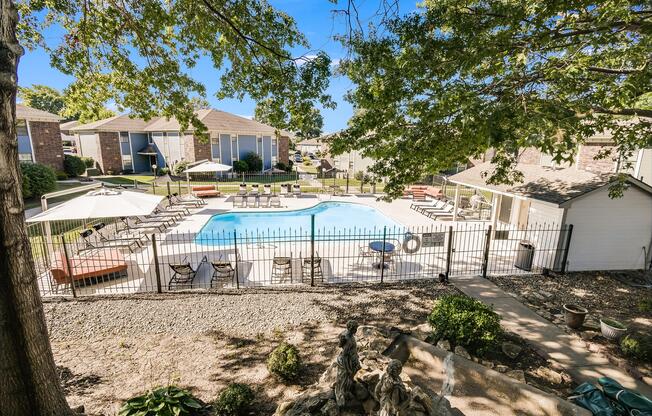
208, 167
102, 203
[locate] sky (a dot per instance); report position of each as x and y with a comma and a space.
314, 18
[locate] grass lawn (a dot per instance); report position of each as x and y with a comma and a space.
61, 186
126, 179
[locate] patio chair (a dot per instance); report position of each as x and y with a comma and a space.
252, 201
188, 200
141, 222
238, 201
364, 252
282, 268
437, 205
285, 189
154, 218
242, 190
267, 189
164, 215
181, 209
306, 264
275, 202
143, 227
119, 235
263, 201
255, 189
222, 270
91, 244
296, 190
184, 272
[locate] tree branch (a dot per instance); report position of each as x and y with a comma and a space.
624, 112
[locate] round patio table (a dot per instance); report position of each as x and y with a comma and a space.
377, 246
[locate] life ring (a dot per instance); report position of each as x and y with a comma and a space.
409, 237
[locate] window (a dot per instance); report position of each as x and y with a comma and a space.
505, 212
234, 148
124, 137
25, 157
215, 148
127, 163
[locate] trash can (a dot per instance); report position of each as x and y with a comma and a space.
524, 255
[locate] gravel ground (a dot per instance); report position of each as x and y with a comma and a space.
112, 349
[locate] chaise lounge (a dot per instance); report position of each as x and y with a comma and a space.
205, 191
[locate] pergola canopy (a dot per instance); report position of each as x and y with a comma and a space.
208, 167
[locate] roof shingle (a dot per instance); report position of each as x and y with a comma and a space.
24, 112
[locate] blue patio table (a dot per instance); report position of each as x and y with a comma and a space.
377, 246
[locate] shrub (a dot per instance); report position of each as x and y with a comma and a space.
73, 165
637, 346
61, 175
284, 361
466, 322
89, 162
645, 305
307, 162
254, 162
164, 171
37, 179
240, 166
281, 166
234, 400
164, 401
179, 167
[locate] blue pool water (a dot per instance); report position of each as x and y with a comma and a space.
329, 216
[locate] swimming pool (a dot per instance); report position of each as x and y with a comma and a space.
329, 216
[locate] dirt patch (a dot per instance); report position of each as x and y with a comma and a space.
608, 295
205, 342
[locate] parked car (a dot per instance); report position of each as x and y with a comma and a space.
298, 158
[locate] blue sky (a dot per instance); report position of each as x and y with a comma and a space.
314, 18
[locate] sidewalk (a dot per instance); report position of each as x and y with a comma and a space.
561, 347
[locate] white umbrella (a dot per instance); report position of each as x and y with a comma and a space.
209, 167
103, 203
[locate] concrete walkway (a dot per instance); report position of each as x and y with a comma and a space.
567, 350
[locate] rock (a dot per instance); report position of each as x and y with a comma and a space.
370, 337
546, 295
369, 378
360, 392
421, 332
330, 408
502, 368
551, 376
370, 405
517, 375
283, 408
79, 409
511, 350
588, 335
462, 352
421, 401
444, 344
488, 364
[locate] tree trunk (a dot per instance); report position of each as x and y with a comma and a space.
29, 384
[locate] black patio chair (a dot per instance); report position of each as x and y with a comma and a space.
222, 270
184, 272
282, 268
306, 264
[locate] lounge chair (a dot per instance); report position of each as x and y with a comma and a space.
252, 201
242, 190
94, 244
285, 189
263, 201
119, 235
255, 190
164, 215
306, 264
204, 191
436, 204
445, 208
267, 189
153, 218
282, 268
222, 270
143, 227
239, 201
296, 190
274, 201
184, 272
186, 201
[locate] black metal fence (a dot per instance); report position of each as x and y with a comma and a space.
145, 259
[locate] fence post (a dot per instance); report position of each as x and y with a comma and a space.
179, 187
347, 182
135, 184
568, 240
449, 251
235, 248
69, 266
382, 256
485, 258
312, 250
362, 185
157, 270
169, 191
154, 187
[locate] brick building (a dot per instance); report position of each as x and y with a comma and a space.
39, 137
126, 144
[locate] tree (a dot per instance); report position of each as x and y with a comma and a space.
455, 78
199, 103
137, 54
306, 122
43, 98
254, 162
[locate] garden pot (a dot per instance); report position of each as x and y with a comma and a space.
574, 315
612, 329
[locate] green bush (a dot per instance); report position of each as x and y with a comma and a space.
254, 162
234, 400
89, 162
467, 322
307, 162
37, 179
61, 175
645, 305
240, 166
73, 165
281, 166
164, 401
180, 167
637, 346
164, 171
284, 361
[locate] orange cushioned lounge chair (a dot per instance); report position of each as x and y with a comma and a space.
203, 191
89, 264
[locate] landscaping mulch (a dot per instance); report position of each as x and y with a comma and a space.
605, 294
